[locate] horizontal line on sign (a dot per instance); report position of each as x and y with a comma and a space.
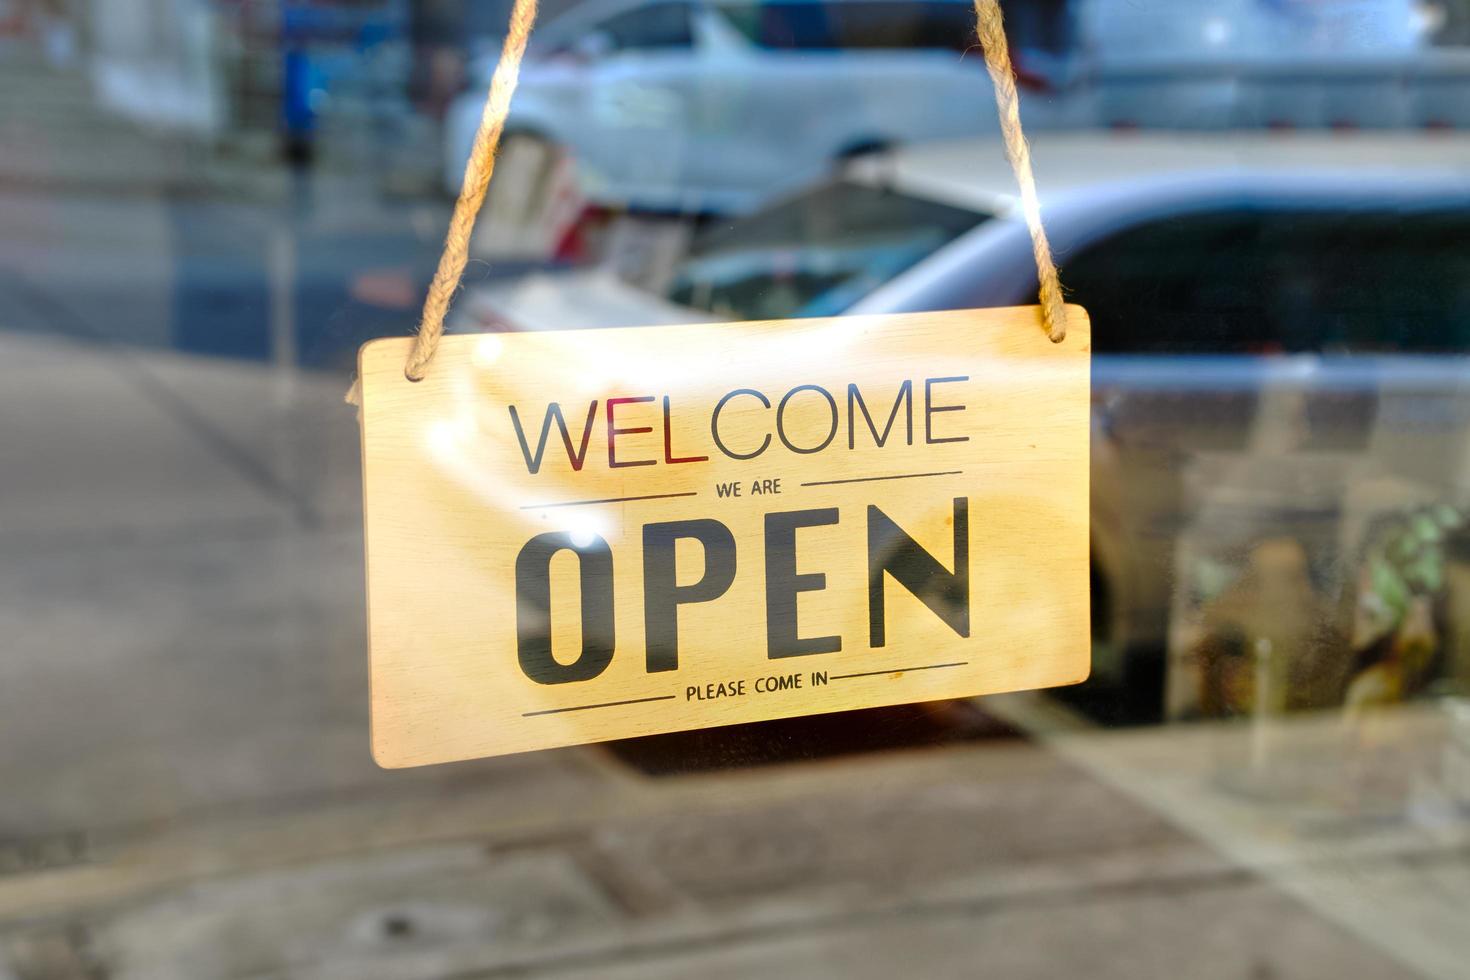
898, 670
588, 707
873, 479
610, 500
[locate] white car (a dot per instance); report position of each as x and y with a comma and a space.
713, 106
1287, 296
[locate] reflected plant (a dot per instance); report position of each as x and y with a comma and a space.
1405, 559
1395, 633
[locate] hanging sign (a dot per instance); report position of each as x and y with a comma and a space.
586, 535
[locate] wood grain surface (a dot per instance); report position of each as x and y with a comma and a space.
539, 578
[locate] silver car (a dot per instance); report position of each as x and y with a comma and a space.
1276, 336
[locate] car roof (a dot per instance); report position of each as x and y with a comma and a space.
975, 174
1089, 193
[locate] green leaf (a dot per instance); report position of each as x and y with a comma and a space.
1390, 587
1402, 548
1417, 573
1425, 529
1447, 517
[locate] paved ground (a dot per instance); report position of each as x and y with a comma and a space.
188, 793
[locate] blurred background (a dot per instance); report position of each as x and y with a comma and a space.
207, 205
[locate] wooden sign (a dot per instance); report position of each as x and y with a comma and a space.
585, 535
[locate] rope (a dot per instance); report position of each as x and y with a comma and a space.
991, 29
472, 192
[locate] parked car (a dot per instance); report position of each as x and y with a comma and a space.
712, 106
715, 106
1302, 298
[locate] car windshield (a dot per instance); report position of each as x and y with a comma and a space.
814, 255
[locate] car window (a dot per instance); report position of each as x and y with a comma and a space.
656, 26
832, 26
1369, 281
814, 255
1281, 281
